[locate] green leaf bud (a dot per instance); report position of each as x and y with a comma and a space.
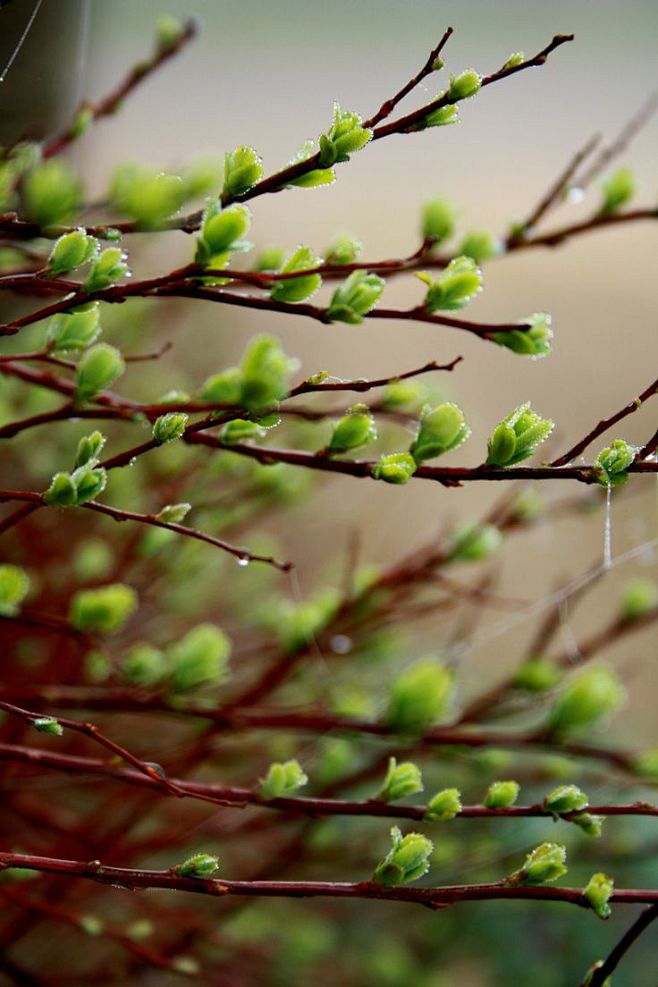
444, 805
517, 436
407, 860
201, 177
265, 371
639, 597
298, 289
89, 483
240, 430
438, 220
480, 245
598, 892
401, 780
617, 191
168, 427
474, 542
298, 624
14, 587
242, 169
612, 464
355, 429
537, 675
589, 696
534, 342
282, 780
223, 388
140, 929
62, 491
419, 696
444, 116
48, 724
455, 286
440, 429
50, 193
464, 85
201, 865
168, 30
221, 233
91, 924
345, 136
565, 798
147, 196
502, 794
104, 610
409, 394
646, 764
173, 513
344, 250
516, 58
591, 825
199, 658
71, 250
397, 467
106, 270
75, 330
355, 297
143, 665
544, 864
99, 366
89, 448
528, 505
270, 259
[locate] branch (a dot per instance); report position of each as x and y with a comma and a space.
600, 974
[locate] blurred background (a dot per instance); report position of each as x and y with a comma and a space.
267, 74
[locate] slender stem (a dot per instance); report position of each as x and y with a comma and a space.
600, 975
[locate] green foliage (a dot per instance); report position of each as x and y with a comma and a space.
282, 780
99, 367
221, 234
14, 587
543, 865
71, 250
242, 169
589, 696
355, 297
565, 798
48, 724
537, 675
344, 137
440, 429
407, 860
438, 220
75, 330
443, 806
464, 85
401, 780
639, 598
534, 342
474, 542
518, 436
479, 245
597, 892
611, 465
617, 191
50, 193
396, 467
174, 513
419, 696
169, 427
455, 286
300, 288
105, 610
501, 794
355, 429
200, 658
106, 270
202, 865
148, 197
265, 371
143, 665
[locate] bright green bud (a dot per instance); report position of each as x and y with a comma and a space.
474, 542
14, 587
91, 924
199, 658
454, 288
146, 196
168, 427
62, 491
528, 505
104, 610
89, 482
544, 864
407, 860
71, 250
265, 371
590, 825
438, 220
646, 764
419, 696
479, 245
565, 798
444, 805
270, 259
355, 297
598, 892
50, 193
144, 665
612, 464
502, 794
89, 448
440, 429
224, 388
298, 289
282, 780
98, 367
517, 436
589, 696
201, 865
298, 624
48, 724
106, 270
167, 31
409, 394
345, 136
242, 169
537, 675
221, 233
441, 117
464, 85
202, 177
639, 597
173, 513
239, 430
75, 330
401, 780
353, 430
344, 250
516, 58
140, 929
397, 467
534, 342
617, 191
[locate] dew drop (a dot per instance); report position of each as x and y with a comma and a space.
242, 561
575, 195
341, 644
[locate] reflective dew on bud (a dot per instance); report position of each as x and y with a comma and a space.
441, 429
50, 193
282, 780
104, 610
420, 696
401, 780
62, 491
48, 724
517, 437
75, 330
265, 371
242, 169
474, 542
168, 427
516, 58
598, 892
534, 342
107, 269
300, 288
464, 85
345, 136
617, 191
353, 430
544, 864
565, 798
454, 288
357, 296
174, 513
221, 234
590, 825
89, 483
611, 465
199, 658
397, 467
638, 598
438, 220
99, 367
71, 250
201, 865
14, 587
444, 805
588, 697
502, 794
89, 448
344, 250
537, 675
407, 860
443, 116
